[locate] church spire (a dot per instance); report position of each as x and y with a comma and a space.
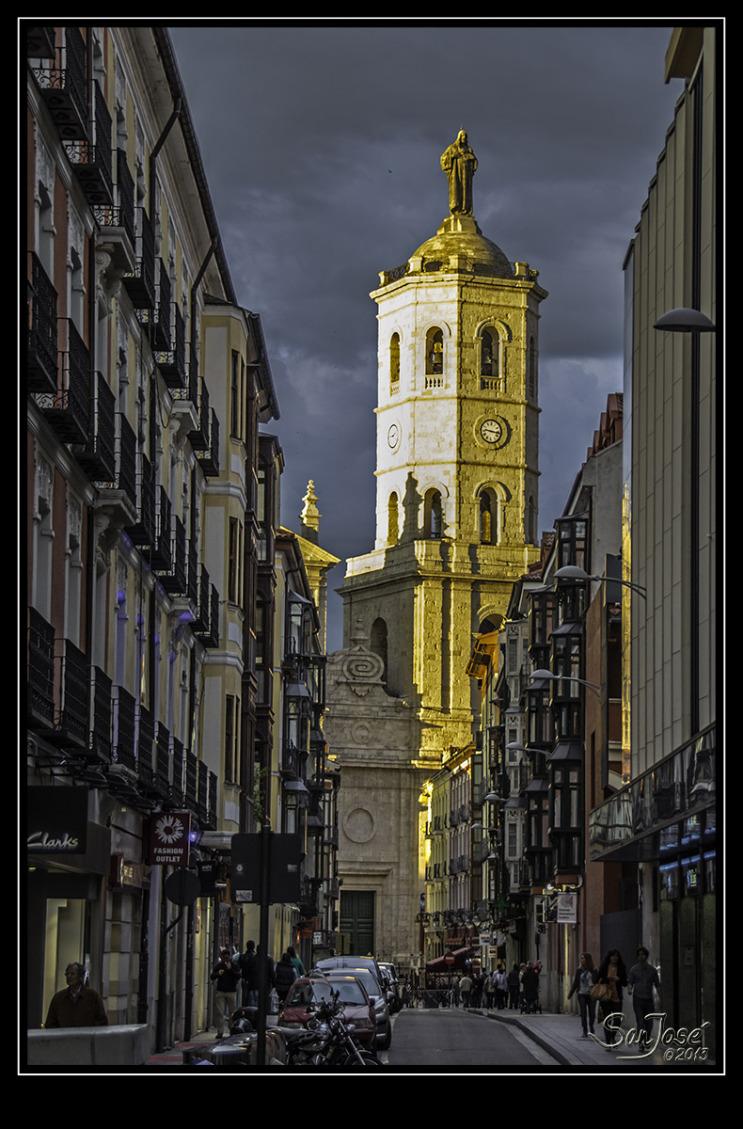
310, 516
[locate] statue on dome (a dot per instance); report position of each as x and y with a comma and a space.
460, 164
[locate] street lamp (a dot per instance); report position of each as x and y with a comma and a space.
685, 320
550, 677
575, 572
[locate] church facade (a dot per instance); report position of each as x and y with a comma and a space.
456, 519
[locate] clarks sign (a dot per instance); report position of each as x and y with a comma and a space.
57, 821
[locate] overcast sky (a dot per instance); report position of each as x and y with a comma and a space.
321, 147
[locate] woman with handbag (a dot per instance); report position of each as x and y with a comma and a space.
583, 983
612, 978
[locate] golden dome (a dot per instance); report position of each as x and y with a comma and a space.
460, 245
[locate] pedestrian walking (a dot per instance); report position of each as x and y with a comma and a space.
643, 977
226, 973
583, 982
501, 989
514, 985
249, 975
286, 974
612, 979
465, 989
530, 984
490, 990
296, 961
522, 970
76, 1005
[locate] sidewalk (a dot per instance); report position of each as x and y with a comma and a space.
559, 1035
174, 1057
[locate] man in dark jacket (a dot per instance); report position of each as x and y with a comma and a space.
76, 1005
227, 975
286, 974
249, 970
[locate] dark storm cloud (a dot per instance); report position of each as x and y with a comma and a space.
321, 146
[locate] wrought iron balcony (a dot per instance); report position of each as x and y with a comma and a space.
192, 780
330, 836
98, 459
143, 532
140, 284
145, 742
161, 776
209, 459
92, 159
41, 356
202, 796
179, 760
116, 221
40, 42
40, 672
68, 408
161, 556
63, 86
126, 460
172, 361
72, 717
122, 752
212, 815
213, 640
200, 625
199, 439
100, 734
192, 573
174, 580
160, 327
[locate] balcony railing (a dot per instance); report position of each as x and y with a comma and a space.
172, 362
209, 459
179, 760
199, 439
91, 159
126, 459
98, 459
291, 761
63, 86
192, 572
161, 781
161, 328
145, 741
143, 532
192, 780
202, 798
68, 408
213, 640
200, 625
174, 580
72, 728
140, 284
100, 733
122, 753
41, 357
624, 826
40, 674
161, 552
213, 813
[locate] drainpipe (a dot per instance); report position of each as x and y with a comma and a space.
193, 364
158, 146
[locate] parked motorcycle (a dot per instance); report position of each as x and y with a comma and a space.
327, 1041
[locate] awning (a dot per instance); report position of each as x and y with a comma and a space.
440, 963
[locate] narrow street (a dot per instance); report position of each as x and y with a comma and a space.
444, 1038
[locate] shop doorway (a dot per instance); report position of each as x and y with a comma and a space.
66, 940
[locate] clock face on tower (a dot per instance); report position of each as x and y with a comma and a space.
491, 431
393, 436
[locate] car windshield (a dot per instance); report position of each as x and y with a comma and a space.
348, 991
367, 979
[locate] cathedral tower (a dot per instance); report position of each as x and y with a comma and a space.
456, 466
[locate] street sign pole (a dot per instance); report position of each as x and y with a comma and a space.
264, 986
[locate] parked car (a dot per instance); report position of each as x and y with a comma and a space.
394, 980
376, 994
358, 1011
